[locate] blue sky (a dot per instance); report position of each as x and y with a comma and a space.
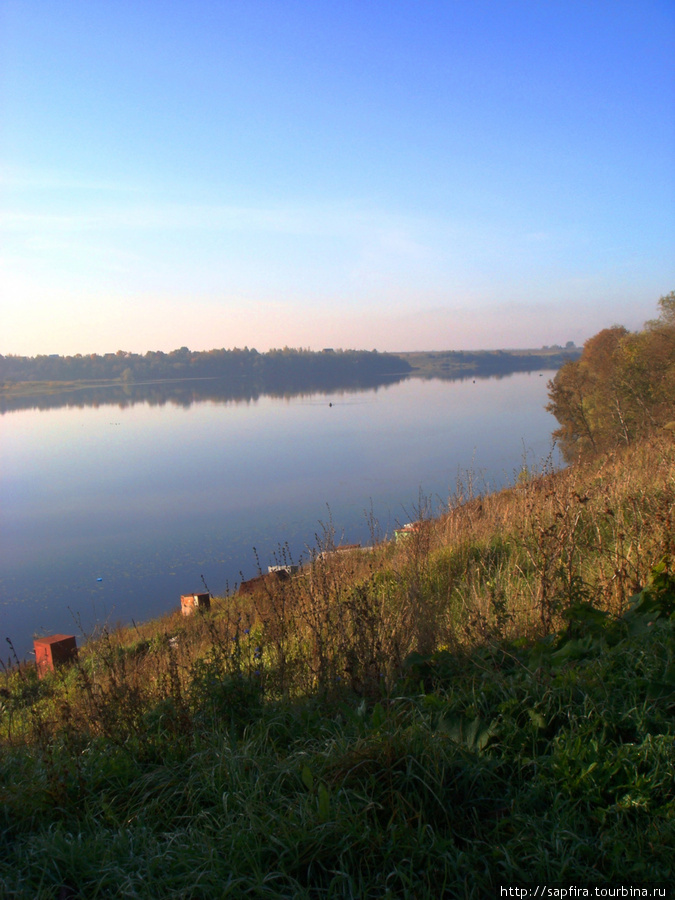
399, 175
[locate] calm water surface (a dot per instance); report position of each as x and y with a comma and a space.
150, 498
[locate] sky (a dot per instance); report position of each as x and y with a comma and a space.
391, 174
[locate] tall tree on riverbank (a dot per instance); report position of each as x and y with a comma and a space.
621, 388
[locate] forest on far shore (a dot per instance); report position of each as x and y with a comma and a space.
284, 369
287, 366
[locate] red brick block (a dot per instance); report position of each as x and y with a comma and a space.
54, 651
190, 603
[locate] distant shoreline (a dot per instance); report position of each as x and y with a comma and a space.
465, 363
446, 364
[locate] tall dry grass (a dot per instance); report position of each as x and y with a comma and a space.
489, 568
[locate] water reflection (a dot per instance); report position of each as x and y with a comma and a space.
187, 391
151, 495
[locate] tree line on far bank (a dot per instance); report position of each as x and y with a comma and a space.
620, 390
286, 367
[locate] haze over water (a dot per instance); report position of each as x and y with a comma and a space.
148, 498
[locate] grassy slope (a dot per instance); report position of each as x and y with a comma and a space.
434, 718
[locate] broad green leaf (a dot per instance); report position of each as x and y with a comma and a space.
324, 802
378, 716
536, 718
307, 777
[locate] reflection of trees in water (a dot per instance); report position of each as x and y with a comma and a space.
183, 377
244, 376
185, 392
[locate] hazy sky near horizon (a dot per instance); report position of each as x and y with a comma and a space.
387, 174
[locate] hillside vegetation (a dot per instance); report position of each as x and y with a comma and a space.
621, 389
486, 702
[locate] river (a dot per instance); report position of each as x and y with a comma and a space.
109, 512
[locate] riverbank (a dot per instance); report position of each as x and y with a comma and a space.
489, 700
487, 363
